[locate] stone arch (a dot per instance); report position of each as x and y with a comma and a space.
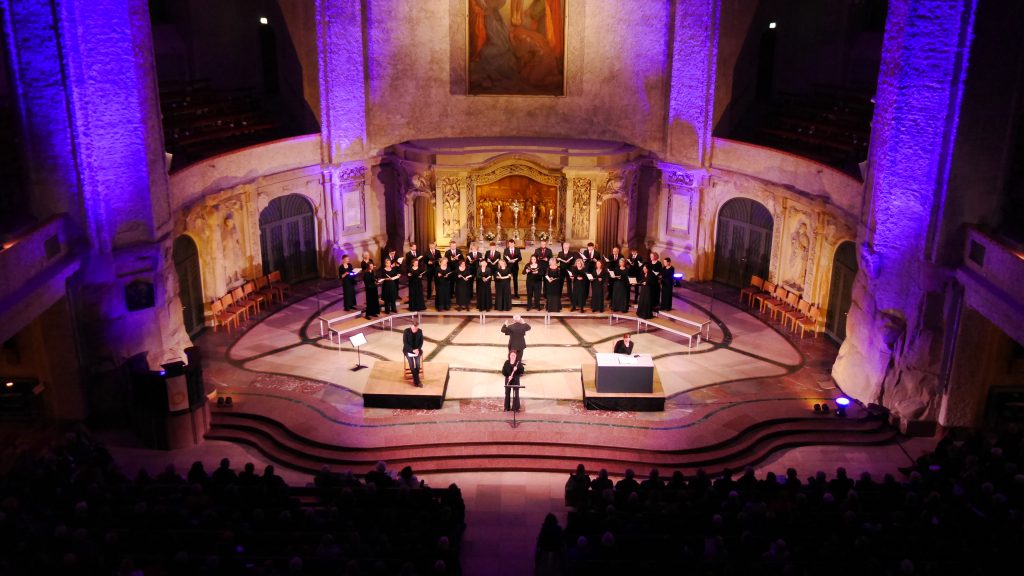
185, 253
743, 241
840, 290
288, 237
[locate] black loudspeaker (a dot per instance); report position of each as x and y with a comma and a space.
139, 295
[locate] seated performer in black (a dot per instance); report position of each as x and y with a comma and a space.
484, 276
348, 282
370, 290
597, 286
512, 370
620, 286
502, 288
553, 287
580, 286
534, 284
443, 293
668, 278
643, 303
624, 346
463, 278
389, 287
416, 273
412, 348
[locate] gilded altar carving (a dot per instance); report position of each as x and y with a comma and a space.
581, 207
451, 194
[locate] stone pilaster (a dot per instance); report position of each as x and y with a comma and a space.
342, 80
691, 101
896, 326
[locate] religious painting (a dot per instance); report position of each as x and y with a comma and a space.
517, 47
517, 207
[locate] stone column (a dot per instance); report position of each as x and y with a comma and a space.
342, 80
896, 326
691, 101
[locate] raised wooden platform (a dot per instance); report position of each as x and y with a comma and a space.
389, 388
620, 401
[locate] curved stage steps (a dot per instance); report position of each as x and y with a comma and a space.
748, 446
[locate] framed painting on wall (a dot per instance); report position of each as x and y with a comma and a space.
517, 47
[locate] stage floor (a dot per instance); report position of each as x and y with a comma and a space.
745, 360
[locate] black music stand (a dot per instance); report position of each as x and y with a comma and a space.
514, 388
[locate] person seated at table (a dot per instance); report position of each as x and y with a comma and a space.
624, 346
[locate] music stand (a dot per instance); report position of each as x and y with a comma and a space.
357, 341
515, 409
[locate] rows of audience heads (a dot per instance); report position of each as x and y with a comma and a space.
71, 510
957, 510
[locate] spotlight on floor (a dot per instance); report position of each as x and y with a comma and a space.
841, 403
678, 277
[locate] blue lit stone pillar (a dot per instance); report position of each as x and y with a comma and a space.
90, 106
37, 71
897, 328
691, 99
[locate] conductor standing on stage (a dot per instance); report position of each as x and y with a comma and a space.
512, 370
516, 332
412, 347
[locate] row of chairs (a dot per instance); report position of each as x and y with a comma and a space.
232, 308
794, 312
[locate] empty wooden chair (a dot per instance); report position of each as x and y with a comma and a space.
239, 299
263, 287
222, 317
771, 304
809, 322
279, 285
756, 285
760, 297
249, 289
228, 302
794, 316
792, 301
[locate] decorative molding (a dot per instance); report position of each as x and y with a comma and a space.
581, 188
517, 169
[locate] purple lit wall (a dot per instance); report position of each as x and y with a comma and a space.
37, 75
692, 93
118, 140
342, 84
917, 104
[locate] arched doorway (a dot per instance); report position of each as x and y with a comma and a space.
743, 245
288, 238
840, 296
608, 225
423, 222
190, 283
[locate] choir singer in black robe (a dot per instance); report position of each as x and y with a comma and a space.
348, 282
